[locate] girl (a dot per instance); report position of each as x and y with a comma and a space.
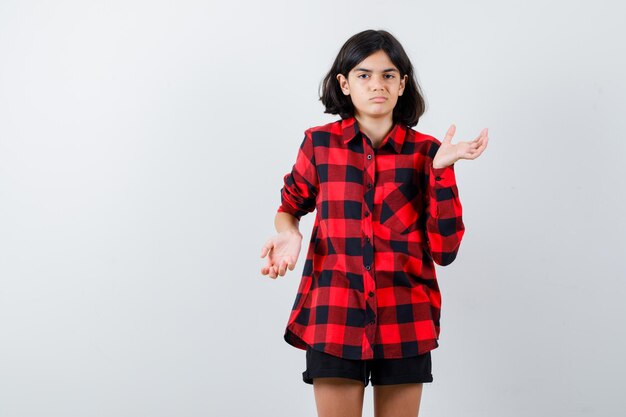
388, 208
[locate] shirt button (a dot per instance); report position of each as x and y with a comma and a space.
369, 156
437, 178
367, 267
371, 294
367, 213
367, 238
369, 185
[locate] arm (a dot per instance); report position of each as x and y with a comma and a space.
301, 185
298, 197
285, 222
444, 223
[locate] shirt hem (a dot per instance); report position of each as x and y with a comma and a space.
297, 341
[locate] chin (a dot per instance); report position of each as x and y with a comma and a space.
378, 113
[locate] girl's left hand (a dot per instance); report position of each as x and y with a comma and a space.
448, 154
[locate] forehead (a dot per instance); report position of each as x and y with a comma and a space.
378, 61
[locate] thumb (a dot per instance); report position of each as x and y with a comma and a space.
266, 248
450, 133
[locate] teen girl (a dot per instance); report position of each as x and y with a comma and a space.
388, 208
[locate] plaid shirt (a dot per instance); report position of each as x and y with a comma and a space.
384, 215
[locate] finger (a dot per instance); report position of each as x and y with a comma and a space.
470, 154
479, 141
267, 247
475, 155
267, 271
480, 136
477, 152
478, 148
450, 133
282, 268
273, 272
467, 146
292, 263
483, 145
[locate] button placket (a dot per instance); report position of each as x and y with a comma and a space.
370, 185
369, 283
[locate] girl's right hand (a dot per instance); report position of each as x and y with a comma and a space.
283, 250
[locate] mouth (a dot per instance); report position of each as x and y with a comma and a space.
379, 99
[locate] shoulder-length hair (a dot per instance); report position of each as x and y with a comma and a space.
410, 105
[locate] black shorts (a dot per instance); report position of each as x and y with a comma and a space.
416, 369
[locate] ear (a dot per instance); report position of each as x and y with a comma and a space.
343, 84
403, 84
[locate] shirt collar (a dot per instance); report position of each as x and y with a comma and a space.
350, 130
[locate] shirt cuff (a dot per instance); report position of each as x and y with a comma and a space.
442, 177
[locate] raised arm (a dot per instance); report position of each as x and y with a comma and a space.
444, 223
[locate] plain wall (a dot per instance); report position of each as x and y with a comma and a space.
142, 150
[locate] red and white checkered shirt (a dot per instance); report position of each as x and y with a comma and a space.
384, 217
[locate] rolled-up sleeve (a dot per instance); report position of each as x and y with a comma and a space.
299, 192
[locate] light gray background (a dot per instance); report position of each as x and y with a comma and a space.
142, 149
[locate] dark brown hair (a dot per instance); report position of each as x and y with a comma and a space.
410, 105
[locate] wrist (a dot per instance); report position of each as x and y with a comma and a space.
293, 231
440, 166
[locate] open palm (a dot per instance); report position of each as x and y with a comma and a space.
282, 252
449, 153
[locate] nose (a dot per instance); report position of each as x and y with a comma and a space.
376, 83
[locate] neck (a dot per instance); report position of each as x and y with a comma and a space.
375, 128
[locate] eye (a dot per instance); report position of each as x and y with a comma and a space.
359, 76
390, 75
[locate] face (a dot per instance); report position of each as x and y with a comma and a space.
374, 77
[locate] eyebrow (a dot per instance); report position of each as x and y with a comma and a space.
369, 70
